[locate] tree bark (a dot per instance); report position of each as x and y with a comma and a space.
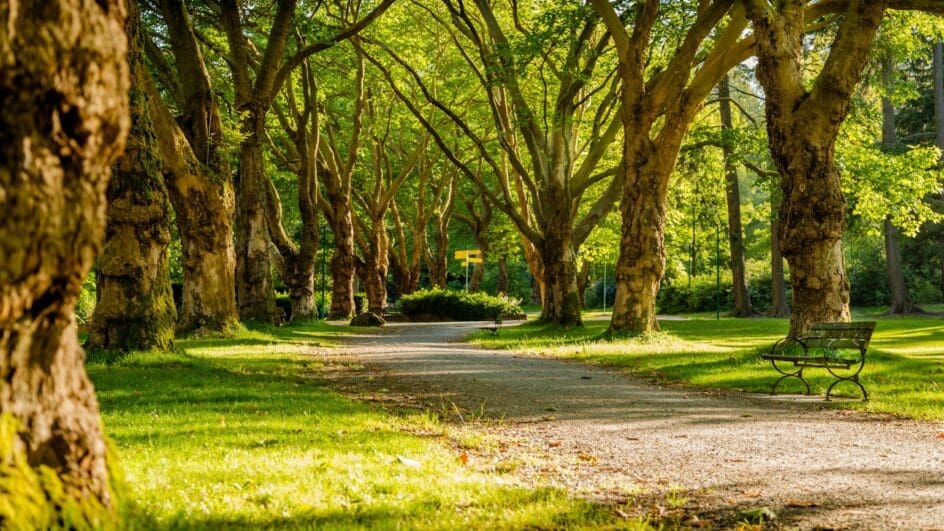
802, 126
583, 277
780, 307
938, 68
502, 284
199, 182
342, 261
376, 263
63, 121
561, 296
135, 308
742, 299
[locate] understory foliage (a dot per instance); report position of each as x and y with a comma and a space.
457, 305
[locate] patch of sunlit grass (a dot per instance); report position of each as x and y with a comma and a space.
242, 433
904, 372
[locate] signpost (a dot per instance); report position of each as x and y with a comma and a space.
469, 256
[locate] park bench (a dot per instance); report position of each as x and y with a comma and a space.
493, 328
837, 347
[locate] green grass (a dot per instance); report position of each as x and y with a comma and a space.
244, 433
904, 372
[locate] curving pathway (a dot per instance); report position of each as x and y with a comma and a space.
706, 455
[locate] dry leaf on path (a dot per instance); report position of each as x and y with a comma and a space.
802, 504
464, 457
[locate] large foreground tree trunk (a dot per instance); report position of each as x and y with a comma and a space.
802, 126
63, 121
742, 299
135, 309
376, 262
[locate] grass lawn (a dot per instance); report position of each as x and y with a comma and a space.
242, 433
904, 371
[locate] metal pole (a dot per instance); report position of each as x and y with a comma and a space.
691, 265
604, 286
324, 265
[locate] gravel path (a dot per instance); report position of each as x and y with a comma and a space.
704, 456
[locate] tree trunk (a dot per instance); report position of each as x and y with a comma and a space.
199, 182
561, 296
255, 291
901, 303
375, 271
583, 277
938, 68
802, 125
63, 121
742, 300
502, 284
342, 261
780, 307
135, 308
641, 261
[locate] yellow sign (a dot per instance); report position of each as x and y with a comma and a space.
472, 260
471, 253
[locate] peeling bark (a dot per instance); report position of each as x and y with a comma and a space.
802, 126
63, 121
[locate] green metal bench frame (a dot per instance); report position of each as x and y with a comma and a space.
833, 346
494, 328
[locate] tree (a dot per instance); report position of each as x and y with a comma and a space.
64, 84
135, 309
549, 141
197, 174
742, 299
658, 104
802, 125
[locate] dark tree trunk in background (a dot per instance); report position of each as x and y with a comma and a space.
780, 306
376, 263
583, 277
502, 284
939, 114
135, 309
742, 300
901, 303
199, 182
63, 122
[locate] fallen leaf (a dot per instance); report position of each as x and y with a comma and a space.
751, 493
554, 444
940, 435
583, 456
464, 457
585, 377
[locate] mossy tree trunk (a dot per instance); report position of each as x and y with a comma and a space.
135, 309
802, 125
198, 177
63, 121
780, 306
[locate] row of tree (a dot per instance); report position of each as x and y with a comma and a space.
495, 113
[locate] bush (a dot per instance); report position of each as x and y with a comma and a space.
678, 298
456, 305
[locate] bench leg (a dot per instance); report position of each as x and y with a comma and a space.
796, 374
854, 379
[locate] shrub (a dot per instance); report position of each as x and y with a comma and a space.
456, 305
678, 298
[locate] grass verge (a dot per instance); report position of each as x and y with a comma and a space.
243, 433
904, 371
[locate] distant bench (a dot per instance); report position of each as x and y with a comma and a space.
494, 328
837, 347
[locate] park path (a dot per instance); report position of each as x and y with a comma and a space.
614, 437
